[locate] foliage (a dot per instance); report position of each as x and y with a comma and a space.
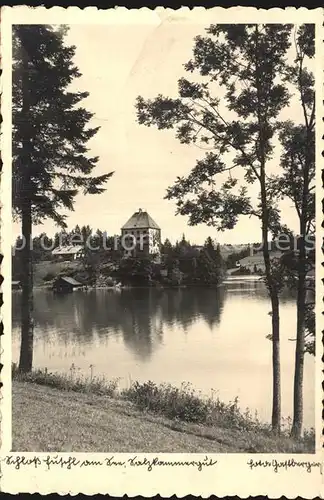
183, 405
241, 271
227, 58
136, 271
186, 404
73, 382
49, 276
185, 263
50, 131
234, 257
247, 63
297, 182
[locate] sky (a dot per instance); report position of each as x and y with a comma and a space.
119, 62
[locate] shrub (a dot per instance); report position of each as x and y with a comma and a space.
68, 382
241, 271
182, 404
49, 276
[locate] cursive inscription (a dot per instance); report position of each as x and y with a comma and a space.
291, 463
69, 462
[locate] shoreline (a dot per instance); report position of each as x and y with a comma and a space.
156, 286
182, 411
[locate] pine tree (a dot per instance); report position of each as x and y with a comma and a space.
209, 248
50, 133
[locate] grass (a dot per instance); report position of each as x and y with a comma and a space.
94, 385
219, 426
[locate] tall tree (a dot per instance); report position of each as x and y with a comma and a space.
50, 134
209, 248
219, 259
246, 62
297, 182
166, 247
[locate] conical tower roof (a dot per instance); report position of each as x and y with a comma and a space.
140, 220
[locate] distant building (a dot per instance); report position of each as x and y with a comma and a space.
141, 235
255, 262
68, 252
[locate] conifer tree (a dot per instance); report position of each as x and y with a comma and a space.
51, 164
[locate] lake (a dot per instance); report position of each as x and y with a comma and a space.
213, 338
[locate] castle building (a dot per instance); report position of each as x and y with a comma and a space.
141, 235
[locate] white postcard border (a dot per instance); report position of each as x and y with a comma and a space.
232, 475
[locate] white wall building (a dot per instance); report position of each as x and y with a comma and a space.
141, 235
68, 252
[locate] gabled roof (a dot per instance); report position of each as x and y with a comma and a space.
70, 280
140, 220
68, 249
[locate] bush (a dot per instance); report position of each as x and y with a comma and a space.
49, 276
174, 403
189, 405
241, 271
180, 404
73, 382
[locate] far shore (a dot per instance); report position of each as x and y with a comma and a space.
46, 286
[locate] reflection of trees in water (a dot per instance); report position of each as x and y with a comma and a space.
183, 307
138, 315
67, 316
257, 290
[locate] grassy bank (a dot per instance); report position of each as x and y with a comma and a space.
53, 412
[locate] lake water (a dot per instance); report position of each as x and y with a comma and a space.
213, 338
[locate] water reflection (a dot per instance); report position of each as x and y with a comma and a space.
214, 338
138, 316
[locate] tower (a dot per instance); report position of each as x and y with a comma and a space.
141, 235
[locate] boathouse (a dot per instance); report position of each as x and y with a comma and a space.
16, 285
66, 284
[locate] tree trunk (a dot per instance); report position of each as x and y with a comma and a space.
276, 376
297, 426
301, 310
26, 346
299, 355
263, 123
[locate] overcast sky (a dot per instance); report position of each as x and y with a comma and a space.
118, 63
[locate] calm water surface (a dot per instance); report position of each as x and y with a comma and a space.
213, 338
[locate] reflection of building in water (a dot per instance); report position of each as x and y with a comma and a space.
142, 232
135, 316
141, 322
